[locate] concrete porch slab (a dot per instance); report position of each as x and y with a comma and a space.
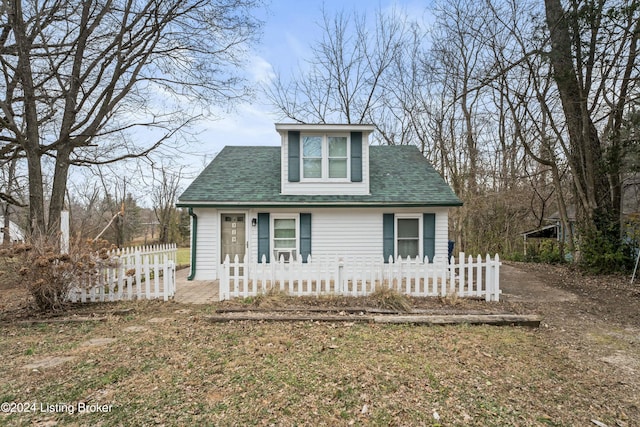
195, 291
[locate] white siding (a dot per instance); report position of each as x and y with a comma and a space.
326, 186
207, 244
442, 232
352, 232
347, 233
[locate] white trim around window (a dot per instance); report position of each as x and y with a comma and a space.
287, 241
405, 241
316, 166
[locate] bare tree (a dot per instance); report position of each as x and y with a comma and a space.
76, 76
593, 51
348, 70
164, 196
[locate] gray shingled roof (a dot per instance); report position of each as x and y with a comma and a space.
250, 176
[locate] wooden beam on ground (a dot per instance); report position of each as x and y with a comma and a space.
532, 321
288, 318
454, 319
351, 310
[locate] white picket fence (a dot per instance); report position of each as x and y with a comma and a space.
465, 277
145, 272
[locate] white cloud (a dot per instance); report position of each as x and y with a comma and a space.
297, 48
260, 70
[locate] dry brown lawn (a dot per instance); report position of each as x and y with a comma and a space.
154, 363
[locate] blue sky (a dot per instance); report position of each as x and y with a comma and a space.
291, 27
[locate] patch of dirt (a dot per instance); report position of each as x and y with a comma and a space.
160, 320
135, 329
594, 319
96, 342
49, 362
518, 284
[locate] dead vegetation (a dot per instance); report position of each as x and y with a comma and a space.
47, 274
386, 298
164, 364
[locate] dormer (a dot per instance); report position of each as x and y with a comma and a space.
331, 159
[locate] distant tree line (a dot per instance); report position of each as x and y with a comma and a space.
525, 107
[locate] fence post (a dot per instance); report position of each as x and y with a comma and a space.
167, 280
496, 278
462, 274
340, 277
146, 262
137, 257
488, 278
156, 276
119, 267
172, 272
224, 280
479, 277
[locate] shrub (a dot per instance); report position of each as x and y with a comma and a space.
49, 275
514, 256
547, 252
390, 299
602, 254
550, 252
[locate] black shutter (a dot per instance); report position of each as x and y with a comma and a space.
388, 225
305, 236
263, 236
294, 156
429, 235
356, 156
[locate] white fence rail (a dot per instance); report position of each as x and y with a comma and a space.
465, 277
146, 272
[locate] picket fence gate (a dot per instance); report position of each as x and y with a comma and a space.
143, 272
464, 277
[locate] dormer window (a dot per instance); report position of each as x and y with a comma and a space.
325, 156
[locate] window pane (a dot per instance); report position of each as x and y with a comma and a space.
337, 168
284, 233
284, 244
312, 146
312, 168
408, 248
284, 228
337, 146
284, 223
408, 228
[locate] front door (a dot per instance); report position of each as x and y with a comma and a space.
232, 240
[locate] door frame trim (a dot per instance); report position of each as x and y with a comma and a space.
219, 230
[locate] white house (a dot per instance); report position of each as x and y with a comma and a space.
324, 192
15, 232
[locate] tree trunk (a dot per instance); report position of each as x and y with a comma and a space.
31, 141
6, 232
586, 152
61, 173
6, 227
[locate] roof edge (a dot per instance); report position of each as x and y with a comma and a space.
202, 204
324, 127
